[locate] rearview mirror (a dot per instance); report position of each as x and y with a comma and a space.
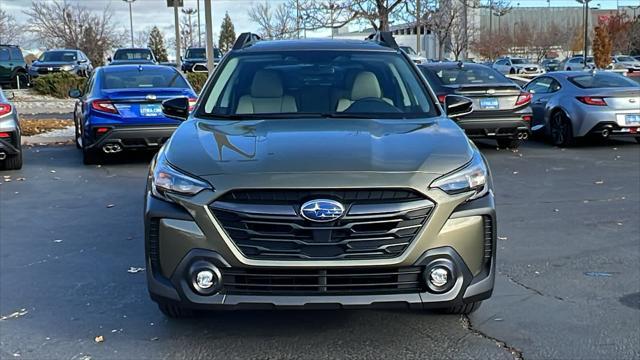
176, 108
75, 93
457, 106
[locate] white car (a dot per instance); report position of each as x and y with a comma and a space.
625, 62
413, 55
517, 66
577, 63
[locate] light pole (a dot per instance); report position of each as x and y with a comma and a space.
209, 33
189, 12
130, 19
586, 30
199, 35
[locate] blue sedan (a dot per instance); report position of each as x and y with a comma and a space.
121, 109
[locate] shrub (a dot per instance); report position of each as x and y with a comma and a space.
58, 84
197, 80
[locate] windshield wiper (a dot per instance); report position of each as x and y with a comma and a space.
344, 116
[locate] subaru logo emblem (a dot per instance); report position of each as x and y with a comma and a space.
322, 210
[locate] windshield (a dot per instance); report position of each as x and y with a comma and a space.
626, 58
602, 80
196, 54
408, 49
145, 78
466, 75
317, 83
133, 54
67, 56
518, 61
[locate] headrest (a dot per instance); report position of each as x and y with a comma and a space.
365, 86
266, 84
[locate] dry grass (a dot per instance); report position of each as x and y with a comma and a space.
35, 127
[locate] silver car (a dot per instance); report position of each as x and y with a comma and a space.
571, 104
517, 66
625, 62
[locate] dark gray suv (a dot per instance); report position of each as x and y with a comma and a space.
318, 173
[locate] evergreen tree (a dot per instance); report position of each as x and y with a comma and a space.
227, 34
156, 44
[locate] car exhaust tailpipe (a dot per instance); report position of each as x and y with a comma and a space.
3, 155
523, 135
112, 148
605, 133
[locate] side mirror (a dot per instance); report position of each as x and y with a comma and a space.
75, 93
109, 59
457, 106
176, 108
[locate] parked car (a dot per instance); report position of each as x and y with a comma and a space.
10, 137
501, 110
339, 181
413, 55
550, 65
63, 60
577, 103
13, 68
625, 62
120, 109
517, 66
577, 63
195, 59
128, 56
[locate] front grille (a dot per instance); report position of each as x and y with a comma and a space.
266, 225
488, 240
153, 244
323, 282
347, 196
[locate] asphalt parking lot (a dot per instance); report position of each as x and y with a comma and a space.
568, 283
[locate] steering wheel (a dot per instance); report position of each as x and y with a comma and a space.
371, 105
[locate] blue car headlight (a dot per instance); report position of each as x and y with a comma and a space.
472, 177
166, 179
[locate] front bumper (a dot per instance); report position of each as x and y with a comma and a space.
134, 137
178, 236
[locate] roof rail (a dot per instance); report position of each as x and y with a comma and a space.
245, 40
384, 38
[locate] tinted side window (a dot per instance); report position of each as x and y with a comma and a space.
4, 54
16, 54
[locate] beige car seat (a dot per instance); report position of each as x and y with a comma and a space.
365, 85
266, 96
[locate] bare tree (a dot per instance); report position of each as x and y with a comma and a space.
141, 37
323, 14
377, 12
61, 24
274, 22
10, 31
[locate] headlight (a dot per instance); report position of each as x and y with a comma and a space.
67, 67
472, 177
166, 179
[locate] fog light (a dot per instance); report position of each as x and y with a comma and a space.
439, 276
205, 279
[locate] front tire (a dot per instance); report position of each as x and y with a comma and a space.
561, 130
174, 311
464, 309
508, 143
13, 162
90, 157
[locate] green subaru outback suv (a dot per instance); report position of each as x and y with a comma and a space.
318, 173
13, 68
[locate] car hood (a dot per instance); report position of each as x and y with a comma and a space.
130, 62
203, 147
525, 65
53, 63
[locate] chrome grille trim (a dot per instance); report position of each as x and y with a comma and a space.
367, 231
